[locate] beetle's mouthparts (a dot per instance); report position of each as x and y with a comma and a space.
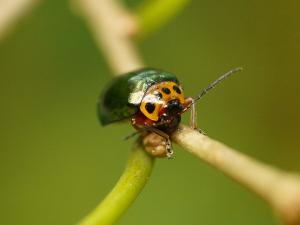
174, 107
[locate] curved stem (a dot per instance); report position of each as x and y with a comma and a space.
113, 27
127, 189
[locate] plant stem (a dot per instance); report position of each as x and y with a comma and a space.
11, 11
113, 27
281, 190
127, 189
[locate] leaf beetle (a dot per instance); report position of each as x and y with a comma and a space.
152, 100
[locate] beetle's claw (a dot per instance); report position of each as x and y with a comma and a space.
200, 131
179, 129
169, 149
170, 154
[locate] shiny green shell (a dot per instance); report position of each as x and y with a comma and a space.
122, 97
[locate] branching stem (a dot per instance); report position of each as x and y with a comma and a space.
113, 27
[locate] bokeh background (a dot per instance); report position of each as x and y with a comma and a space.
57, 162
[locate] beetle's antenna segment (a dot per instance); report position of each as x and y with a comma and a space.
214, 84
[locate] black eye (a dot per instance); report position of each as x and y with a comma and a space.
158, 94
166, 90
177, 89
150, 107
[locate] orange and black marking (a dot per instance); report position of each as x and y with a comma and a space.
157, 98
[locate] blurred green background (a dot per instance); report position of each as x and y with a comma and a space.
57, 162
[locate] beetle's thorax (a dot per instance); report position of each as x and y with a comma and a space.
161, 107
160, 98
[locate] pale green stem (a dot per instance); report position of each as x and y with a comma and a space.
127, 189
153, 14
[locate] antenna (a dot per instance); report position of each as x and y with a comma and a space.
214, 84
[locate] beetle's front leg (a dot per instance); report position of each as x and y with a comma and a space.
189, 103
169, 148
193, 116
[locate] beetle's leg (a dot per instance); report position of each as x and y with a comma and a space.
138, 131
168, 140
137, 127
193, 118
131, 135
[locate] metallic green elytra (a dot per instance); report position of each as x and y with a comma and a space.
122, 97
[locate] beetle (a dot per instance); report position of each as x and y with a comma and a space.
152, 100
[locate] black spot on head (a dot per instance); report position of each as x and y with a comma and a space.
150, 107
177, 89
166, 90
158, 94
